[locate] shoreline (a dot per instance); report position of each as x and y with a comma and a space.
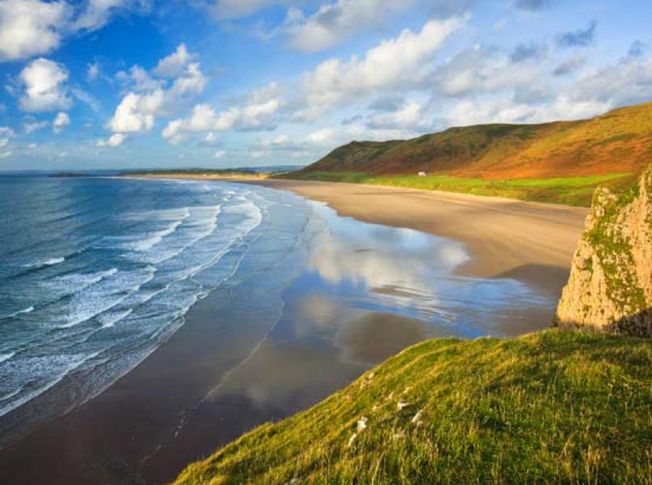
130, 432
531, 242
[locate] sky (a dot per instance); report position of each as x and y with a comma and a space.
100, 84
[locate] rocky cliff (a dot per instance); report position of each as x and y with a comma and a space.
610, 285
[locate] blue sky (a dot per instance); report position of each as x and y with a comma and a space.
93, 84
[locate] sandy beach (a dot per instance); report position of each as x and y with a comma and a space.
528, 241
224, 372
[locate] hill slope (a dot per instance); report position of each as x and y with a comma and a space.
553, 406
617, 142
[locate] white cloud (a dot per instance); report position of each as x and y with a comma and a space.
5, 134
479, 71
626, 82
30, 27
92, 71
86, 97
402, 62
502, 110
211, 138
235, 9
96, 13
258, 113
136, 112
219, 154
32, 126
60, 122
33, 27
6, 154
113, 141
174, 64
138, 79
335, 22
409, 116
44, 86
150, 98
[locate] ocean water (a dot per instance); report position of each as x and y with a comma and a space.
96, 273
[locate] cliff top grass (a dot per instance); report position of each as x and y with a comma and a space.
555, 406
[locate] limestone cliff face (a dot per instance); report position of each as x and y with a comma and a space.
610, 285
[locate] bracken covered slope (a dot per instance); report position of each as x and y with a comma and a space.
617, 142
610, 285
556, 406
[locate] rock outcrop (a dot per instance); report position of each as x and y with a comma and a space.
610, 285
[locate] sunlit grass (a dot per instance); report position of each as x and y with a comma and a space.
562, 190
556, 406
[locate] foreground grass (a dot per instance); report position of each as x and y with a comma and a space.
553, 406
576, 191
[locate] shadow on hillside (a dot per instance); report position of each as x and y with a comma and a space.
636, 325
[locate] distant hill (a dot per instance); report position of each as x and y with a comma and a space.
617, 142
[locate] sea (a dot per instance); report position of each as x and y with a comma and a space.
96, 273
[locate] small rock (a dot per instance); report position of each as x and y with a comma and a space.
362, 424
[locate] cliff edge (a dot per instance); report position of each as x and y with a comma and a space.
610, 284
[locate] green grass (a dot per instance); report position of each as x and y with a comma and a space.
556, 406
576, 191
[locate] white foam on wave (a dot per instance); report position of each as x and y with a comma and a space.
109, 319
176, 214
201, 224
151, 239
74, 282
145, 241
7, 356
41, 373
103, 296
29, 309
179, 299
45, 262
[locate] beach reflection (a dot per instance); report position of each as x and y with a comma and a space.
411, 274
365, 293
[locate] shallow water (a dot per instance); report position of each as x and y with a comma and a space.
96, 274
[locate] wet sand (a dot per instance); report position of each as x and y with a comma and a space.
222, 374
528, 241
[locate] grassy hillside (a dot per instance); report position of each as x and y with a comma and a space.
552, 162
554, 406
617, 142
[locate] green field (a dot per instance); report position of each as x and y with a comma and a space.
576, 191
556, 406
